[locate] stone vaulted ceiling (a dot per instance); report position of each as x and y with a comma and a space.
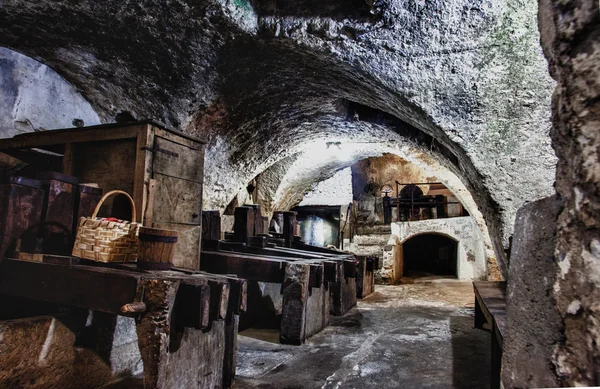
463, 81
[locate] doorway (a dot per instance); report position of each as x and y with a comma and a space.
432, 254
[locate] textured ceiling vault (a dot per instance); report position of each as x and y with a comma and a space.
464, 79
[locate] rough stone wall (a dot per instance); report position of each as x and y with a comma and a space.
472, 263
463, 79
336, 190
570, 37
34, 97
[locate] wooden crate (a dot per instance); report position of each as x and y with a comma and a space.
162, 170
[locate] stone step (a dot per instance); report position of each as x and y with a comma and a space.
375, 251
373, 239
379, 229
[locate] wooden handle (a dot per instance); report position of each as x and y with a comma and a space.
135, 307
111, 193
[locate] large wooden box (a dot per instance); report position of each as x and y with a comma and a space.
162, 170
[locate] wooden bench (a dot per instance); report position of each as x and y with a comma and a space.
490, 310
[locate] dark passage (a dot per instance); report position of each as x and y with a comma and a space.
430, 253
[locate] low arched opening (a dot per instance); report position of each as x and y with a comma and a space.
430, 254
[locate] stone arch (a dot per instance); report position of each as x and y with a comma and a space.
471, 253
450, 268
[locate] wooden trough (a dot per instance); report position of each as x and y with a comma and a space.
313, 282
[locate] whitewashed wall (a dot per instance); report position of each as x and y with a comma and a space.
472, 261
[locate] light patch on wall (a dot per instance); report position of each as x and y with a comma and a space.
336, 190
35, 97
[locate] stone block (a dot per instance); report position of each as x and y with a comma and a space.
533, 324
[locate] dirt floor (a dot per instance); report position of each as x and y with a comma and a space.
416, 335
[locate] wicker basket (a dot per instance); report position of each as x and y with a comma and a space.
107, 241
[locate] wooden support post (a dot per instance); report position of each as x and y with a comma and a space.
295, 288
219, 298
231, 348
289, 227
211, 225
331, 271
243, 226
361, 275
316, 275
258, 227
153, 330
350, 269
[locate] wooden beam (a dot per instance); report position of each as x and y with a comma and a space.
238, 288
251, 267
243, 225
192, 306
96, 288
75, 135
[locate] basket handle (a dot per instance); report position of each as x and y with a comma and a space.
112, 193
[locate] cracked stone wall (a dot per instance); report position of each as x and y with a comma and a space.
570, 37
465, 80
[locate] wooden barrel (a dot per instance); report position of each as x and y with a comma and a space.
156, 248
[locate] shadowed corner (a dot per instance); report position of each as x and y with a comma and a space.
471, 363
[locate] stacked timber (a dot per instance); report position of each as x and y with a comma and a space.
306, 283
187, 321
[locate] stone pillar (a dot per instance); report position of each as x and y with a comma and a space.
570, 39
533, 324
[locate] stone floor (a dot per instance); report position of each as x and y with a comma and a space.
412, 336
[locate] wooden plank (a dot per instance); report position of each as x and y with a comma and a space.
96, 288
175, 160
219, 291
42, 139
179, 137
109, 164
142, 169
177, 201
231, 349
316, 249
251, 267
187, 248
